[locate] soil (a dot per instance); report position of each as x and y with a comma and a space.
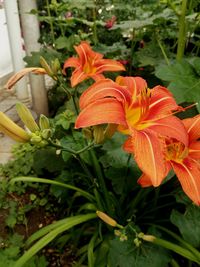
36, 219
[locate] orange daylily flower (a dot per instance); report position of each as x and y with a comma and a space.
184, 159
143, 114
89, 64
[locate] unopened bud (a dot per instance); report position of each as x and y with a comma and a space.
46, 66
55, 66
87, 133
26, 117
44, 122
110, 130
46, 133
107, 219
35, 139
98, 133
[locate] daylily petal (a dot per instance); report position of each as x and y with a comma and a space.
145, 181
171, 127
20, 74
77, 76
148, 150
103, 111
134, 84
194, 150
188, 174
97, 77
193, 127
71, 62
108, 65
84, 51
162, 102
104, 88
128, 145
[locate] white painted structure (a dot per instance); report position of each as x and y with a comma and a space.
5, 55
16, 12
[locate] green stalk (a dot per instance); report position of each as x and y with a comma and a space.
171, 246
174, 263
50, 22
163, 52
74, 152
101, 181
52, 235
48, 181
94, 28
183, 242
91, 245
182, 31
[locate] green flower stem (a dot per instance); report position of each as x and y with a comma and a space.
179, 239
74, 99
72, 221
174, 263
101, 181
85, 168
171, 246
163, 52
91, 246
50, 22
182, 31
94, 28
48, 181
74, 152
98, 200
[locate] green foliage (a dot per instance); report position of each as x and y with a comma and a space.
11, 252
188, 224
183, 78
80, 176
21, 164
125, 253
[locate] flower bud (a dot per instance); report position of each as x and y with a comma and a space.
104, 217
46, 66
26, 117
46, 133
44, 122
98, 133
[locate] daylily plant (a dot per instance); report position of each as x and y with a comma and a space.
184, 159
158, 140
143, 114
89, 64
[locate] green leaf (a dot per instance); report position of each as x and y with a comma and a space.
188, 224
125, 254
183, 81
115, 156
47, 160
72, 221
101, 254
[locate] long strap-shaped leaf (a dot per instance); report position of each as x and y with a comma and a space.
50, 236
48, 181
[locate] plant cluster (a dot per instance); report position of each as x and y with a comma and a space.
116, 152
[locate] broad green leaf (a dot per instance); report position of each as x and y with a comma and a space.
184, 82
126, 254
47, 160
188, 224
